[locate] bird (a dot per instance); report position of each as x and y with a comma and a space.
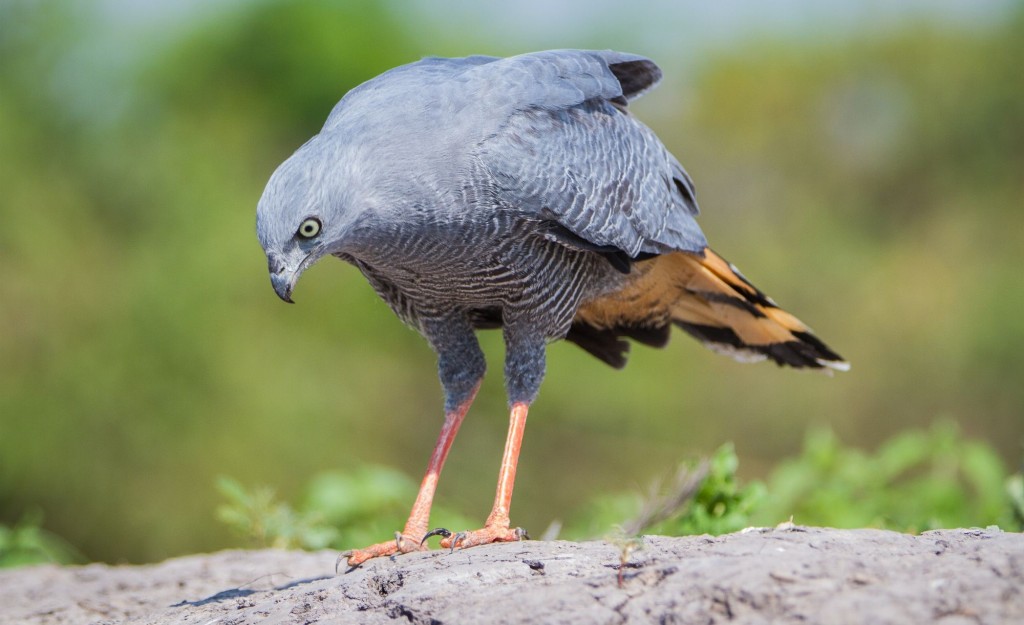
518, 193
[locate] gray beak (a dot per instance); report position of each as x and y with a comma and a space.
283, 285
281, 277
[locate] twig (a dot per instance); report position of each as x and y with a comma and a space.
663, 506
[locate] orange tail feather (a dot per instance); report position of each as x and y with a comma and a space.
709, 299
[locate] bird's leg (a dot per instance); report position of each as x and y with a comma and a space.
411, 538
524, 370
461, 367
497, 527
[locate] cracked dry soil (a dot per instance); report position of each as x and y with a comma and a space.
790, 575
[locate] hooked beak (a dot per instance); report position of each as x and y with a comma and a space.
283, 283
285, 269
283, 277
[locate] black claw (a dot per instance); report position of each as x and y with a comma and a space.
442, 532
522, 534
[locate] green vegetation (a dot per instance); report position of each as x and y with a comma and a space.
869, 181
266, 522
916, 481
721, 505
703, 497
28, 543
338, 510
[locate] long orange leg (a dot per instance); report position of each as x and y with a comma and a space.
496, 528
412, 536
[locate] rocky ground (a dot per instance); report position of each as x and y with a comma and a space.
782, 575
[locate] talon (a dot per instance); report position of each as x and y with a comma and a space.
342, 556
442, 532
398, 541
461, 536
522, 534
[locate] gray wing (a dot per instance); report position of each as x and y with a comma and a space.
569, 152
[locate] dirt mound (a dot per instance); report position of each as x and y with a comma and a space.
796, 574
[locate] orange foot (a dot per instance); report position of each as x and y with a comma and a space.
497, 533
401, 544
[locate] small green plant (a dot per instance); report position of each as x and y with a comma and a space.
256, 514
627, 546
28, 543
704, 497
1015, 491
721, 504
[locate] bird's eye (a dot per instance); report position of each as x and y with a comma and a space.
309, 228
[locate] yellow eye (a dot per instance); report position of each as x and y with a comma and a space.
309, 228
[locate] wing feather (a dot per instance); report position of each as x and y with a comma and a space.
570, 152
545, 134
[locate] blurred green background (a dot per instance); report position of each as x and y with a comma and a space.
862, 163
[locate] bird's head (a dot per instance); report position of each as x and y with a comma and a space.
301, 216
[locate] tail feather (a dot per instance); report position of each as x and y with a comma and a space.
709, 299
